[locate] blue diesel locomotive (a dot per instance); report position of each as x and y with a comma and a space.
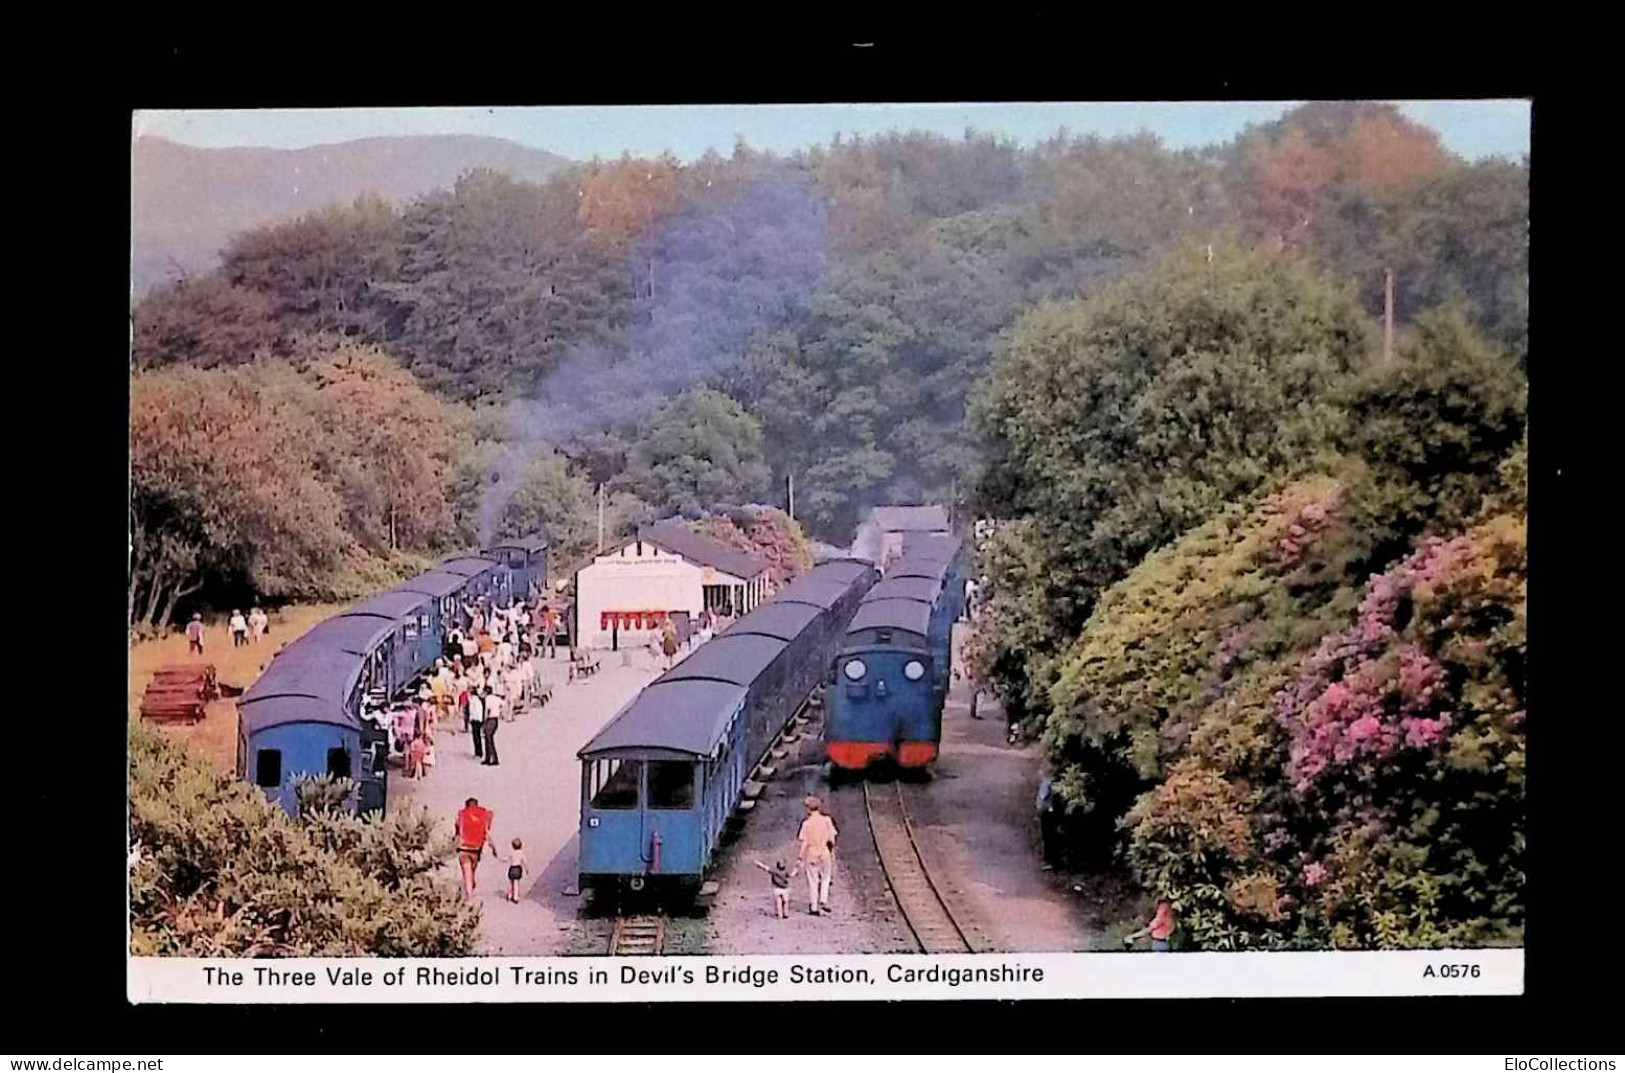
662, 777
309, 712
890, 676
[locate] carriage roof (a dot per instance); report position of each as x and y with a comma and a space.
883, 614
686, 716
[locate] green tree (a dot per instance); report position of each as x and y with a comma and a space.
1116, 423
700, 449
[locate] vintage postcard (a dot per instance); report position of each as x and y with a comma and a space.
828, 552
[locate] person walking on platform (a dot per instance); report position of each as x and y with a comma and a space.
493, 717
476, 719
817, 855
668, 640
550, 629
473, 829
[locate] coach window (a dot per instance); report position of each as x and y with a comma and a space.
411, 629
268, 767
615, 783
338, 762
671, 784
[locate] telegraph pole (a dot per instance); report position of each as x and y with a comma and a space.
600, 518
790, 494
1388, 317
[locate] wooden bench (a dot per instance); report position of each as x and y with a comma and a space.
584, 664
543, 694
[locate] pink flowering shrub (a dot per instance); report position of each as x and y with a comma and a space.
1405, 754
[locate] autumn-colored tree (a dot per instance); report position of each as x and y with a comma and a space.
391, 445
202, 322
224, 480
618, 200
1289, 168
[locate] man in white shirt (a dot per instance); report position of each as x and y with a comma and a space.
476, 720
493, 719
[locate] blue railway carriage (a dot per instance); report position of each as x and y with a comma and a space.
660, 781
487, 579
302, 718
526, 560
891, 674
308, 713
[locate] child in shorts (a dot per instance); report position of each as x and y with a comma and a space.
780, 875
516, 870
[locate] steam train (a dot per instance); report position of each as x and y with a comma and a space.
310, 712
663, 776
891, 672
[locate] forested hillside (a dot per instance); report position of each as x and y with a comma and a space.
827, 314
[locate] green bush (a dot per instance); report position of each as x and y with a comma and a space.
220, 872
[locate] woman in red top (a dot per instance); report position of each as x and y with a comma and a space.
1161, 929
473, 835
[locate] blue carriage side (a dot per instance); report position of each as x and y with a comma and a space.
311, 711
302, 717
662, 778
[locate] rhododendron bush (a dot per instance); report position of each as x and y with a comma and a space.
1307, 741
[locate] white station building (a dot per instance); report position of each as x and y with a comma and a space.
624, 594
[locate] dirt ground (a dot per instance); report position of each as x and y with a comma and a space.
977, 827
862, 918
215, 736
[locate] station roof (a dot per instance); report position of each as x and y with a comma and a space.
358, 633
530, 544
468, 566
910, 615
928, 519
905, 588
687, 716
729, 658
783, 619
679, 539
395, 604
434, 583
280, 711
310, 671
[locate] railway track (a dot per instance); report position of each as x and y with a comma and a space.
924, 910
640, 935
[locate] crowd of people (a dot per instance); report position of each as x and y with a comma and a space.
489, 674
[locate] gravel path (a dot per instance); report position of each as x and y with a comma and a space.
536, 795
977, 828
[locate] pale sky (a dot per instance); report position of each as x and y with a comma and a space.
1472, 129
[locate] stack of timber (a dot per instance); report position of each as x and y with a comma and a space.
179, 692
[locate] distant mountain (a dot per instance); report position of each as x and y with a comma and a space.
187, 203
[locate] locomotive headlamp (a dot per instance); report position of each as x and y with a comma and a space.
854, 669
913, 670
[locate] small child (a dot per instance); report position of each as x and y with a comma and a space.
516, 870
415, 755
780, 875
